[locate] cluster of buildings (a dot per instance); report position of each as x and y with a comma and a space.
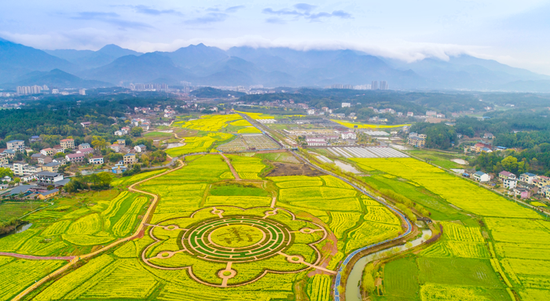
481, 147
149, 87
29, 90
524, 186
32, 90
375, 85
323, 137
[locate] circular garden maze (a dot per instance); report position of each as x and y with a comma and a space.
236, 239
231, 246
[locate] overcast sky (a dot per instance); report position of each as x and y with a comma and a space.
512, 32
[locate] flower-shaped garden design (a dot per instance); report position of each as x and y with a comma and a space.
230, 246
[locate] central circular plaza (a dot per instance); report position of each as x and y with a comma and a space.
236, 239
236, 236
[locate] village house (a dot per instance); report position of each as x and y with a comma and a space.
51, 167
417, 140
10, 153
527, 177
67, 144
510, 183
85, 151
522, 193
41, 159
482, 147
47, 152
129, 159
47, 177
75, 158
48, 194
140, 148
121, 142
35, 139
85, 124
481, 177
119, 168
543, 181
84, 146
16, 145
96, 160
117, 148
506, 175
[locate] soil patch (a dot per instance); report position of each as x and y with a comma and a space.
284, 169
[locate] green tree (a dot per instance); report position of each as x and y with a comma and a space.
136, 131
5, 172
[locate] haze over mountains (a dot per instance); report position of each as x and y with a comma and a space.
271, 67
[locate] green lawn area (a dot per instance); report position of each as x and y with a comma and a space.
234, 189
442, 159
11, 210
458, 271
401, 279
158, 134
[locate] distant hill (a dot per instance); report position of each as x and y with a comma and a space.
271, 67
141, 69
17, 60
92, 59
55, 79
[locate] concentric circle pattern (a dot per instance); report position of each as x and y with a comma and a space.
236, 239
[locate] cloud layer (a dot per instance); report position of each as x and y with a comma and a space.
407, 30
302, 10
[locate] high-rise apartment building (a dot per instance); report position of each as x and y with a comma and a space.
384, 85
374, 85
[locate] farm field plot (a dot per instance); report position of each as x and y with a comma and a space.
366, 152
211, 123
259, 142
199, 144
17, 274
212, 237
508, 251
57, 232
456, 191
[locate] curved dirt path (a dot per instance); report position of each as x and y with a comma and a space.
137, 234
31, 257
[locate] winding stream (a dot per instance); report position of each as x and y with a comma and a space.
353, 288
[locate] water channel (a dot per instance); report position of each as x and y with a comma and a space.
353, 288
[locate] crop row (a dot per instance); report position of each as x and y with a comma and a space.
126, 223
459, 192
342, 221
20, 273
211, 123
319, 289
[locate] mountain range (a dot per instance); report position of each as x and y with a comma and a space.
245, 66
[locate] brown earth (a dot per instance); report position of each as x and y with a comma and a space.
284, 169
